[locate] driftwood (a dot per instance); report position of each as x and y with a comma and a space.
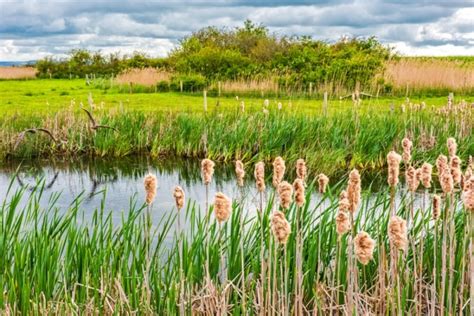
94, 126
22, 135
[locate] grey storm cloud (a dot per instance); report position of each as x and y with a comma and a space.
31, 29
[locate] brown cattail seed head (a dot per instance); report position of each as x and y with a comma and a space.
393, 161
278, 171
397, 232
344, 204
446, 181
436, 206
441, 164
412, 179
426, 170
222, 207
179, 197
467, 175
207, 170
452, 146
301, 170
353, 190
468, 198
239, 172
343, 223
150, 188
280, 227
285, 191
455, 164
260, 176
323, 181
406, 145
298, 186
364, 247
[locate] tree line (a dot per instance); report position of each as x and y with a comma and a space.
247, 52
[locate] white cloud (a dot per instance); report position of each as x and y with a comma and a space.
38, 28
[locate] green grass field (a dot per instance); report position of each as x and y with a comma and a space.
38, 97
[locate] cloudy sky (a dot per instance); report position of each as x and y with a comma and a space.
32, 29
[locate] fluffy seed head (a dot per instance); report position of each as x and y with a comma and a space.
179, 197
285, 192
222, 207
150, 183
397, 232
455, 164
436, 206
406, 145
465, 178
353, 190
344, 204
298, 186
412, 179
441, 164
468, 198
207, 170
239, 172
278, 171
260, 176
426, 170
446, 181
393, 161
323, 181
343, 223
280, 227
301, 170
364, 247
452, 146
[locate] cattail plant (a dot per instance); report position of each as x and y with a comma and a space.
323, 181
150, 184
281, 231
299, 189
278, 171
222, 211
179, 197
207, 171
301, 171
239, 172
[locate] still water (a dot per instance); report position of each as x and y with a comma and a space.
120, 181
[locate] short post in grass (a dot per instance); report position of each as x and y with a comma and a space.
205, 100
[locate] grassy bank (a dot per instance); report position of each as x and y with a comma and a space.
345, 137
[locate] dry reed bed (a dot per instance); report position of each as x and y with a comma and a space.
430, 73
17, 72
144, 77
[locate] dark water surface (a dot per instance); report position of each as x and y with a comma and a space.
119, 181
